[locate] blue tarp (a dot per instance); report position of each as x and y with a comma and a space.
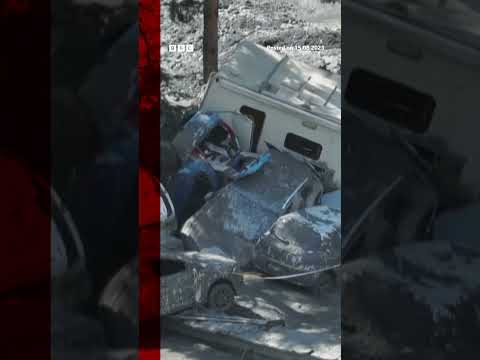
254, 166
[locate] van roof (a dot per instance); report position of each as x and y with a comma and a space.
265, 71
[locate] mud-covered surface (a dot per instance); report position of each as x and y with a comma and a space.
247, 207
311, 322
270, 23
302, 241
177, 347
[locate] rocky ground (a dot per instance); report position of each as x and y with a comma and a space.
268, 22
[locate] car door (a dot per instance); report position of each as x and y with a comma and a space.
176, 290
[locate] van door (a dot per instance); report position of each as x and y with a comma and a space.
258, 119
243, 126
244, 129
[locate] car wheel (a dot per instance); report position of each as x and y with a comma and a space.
221, 296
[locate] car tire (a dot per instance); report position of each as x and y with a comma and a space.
118, 307
221, 296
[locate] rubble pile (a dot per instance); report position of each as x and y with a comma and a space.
249, 200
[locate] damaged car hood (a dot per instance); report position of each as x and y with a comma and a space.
312, 233
301, 242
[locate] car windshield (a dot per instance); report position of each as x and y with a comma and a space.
456, 19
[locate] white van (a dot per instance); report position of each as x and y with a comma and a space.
287, 104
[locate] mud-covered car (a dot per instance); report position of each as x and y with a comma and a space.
236, 216
187, 279
191, 278
303, 241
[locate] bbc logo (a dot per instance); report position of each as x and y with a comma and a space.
181, 48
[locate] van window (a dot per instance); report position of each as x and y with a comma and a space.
390, 100
303, 146
169, 267
258, 118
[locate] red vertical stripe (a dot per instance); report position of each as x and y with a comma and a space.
149, 198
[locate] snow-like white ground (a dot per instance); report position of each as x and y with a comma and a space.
177, 347
312, 322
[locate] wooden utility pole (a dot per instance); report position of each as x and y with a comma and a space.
210, 38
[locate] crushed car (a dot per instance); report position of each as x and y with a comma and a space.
248, 207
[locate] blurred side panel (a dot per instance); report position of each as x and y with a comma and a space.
411, 179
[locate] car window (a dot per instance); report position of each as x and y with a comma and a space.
390, 100
258, 118
303, 146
